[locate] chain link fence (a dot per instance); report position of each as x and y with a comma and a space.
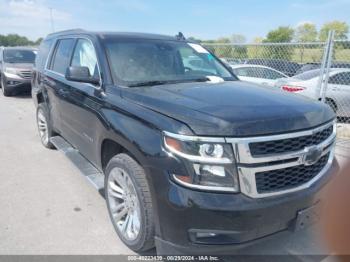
319, 70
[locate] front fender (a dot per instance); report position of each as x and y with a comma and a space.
141, 140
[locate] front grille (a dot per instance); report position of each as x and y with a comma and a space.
290, 144
287, 178
26, 74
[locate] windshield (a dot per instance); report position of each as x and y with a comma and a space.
19, 56
135, 62
308, 75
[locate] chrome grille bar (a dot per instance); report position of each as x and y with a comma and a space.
248, 165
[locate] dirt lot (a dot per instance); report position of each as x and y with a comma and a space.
47, 207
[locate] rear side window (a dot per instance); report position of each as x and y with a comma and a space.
308, 74
340, 79
270, 74
61, 58
43, 53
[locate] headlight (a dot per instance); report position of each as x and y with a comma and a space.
210, 162
11, 70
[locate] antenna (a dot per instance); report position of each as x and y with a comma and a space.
180, 36
51, 19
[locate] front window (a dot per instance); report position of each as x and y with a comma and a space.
136, 62
19, 56
84, 55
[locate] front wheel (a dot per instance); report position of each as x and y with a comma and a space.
44, 126
129, 202
4, 88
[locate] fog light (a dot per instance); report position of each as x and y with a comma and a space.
204, 234
207, 237
12, 82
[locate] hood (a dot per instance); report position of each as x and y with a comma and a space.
20, 66
232, 108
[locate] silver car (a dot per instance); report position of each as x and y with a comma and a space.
337, 93
16, 69
257, 74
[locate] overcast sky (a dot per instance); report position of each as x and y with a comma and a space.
204, 19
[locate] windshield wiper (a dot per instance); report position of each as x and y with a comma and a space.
160, 82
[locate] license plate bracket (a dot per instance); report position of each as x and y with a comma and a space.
307, 217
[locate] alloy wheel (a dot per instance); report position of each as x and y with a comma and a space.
124, 204
42, 127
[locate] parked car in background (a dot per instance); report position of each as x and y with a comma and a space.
233, 61
308, 67
16, 69
338, 90
312, 66
257, 74
193, 63
286, 67
188, 163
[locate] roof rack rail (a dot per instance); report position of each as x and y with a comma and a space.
77, 30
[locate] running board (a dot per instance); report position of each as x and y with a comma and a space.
91, 173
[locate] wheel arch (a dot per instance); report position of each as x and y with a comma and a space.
110, 148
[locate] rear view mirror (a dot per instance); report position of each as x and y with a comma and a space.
80, 74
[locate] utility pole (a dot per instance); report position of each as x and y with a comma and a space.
51, 18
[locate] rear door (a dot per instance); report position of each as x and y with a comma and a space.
56, 84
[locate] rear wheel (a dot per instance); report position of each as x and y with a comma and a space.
129, 202
44, 126
4, 88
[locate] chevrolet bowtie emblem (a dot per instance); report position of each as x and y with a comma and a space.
312, 155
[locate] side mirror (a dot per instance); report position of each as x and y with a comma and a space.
80, 74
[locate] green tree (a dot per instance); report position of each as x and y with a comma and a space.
280, 35
14, 40
283, 34
341, 30
38, 41
258, 40
306, 32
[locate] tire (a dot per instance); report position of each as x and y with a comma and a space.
44, 126
137, 213
4, 88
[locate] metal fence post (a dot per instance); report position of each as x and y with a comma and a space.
325, 67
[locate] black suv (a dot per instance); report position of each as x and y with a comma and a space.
193, 160
16, 67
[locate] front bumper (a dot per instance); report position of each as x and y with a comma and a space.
15, 83
237, 220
